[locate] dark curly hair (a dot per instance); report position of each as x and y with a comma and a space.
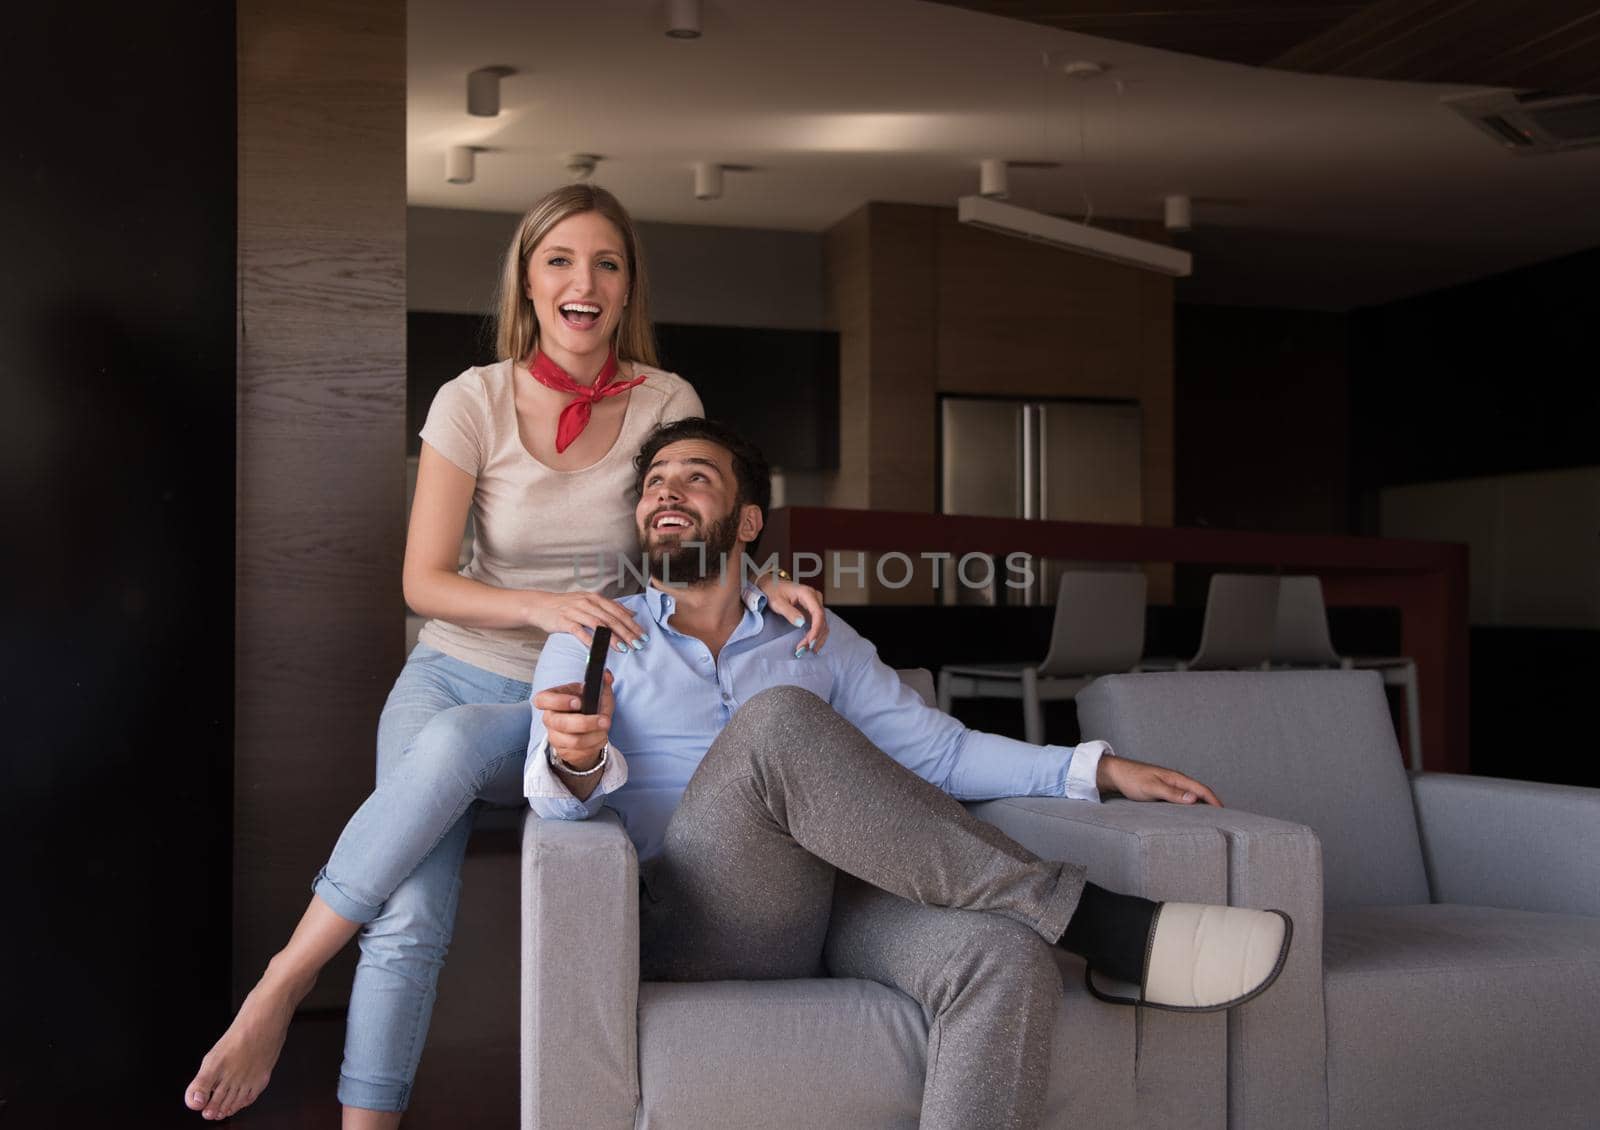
750, 471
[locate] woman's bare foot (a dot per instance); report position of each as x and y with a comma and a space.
235, 1071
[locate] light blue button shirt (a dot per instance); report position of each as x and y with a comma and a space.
673, 698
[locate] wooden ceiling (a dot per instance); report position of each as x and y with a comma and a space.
1551, 45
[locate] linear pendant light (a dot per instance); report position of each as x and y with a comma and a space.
1008, 219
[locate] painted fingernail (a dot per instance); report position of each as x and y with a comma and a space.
645, 637
620, 646
577, 703
798, 621
799, 651
638, 644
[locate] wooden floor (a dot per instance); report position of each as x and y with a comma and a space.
459, 1085
469, 1073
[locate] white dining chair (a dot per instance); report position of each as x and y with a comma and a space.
1237, 632
1098, 630
1301, 639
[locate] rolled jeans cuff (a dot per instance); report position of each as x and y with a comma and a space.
390, 1098
343, 905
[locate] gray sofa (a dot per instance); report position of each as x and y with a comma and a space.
602, 1051
1446, 966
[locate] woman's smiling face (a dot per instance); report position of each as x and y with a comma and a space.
577, 280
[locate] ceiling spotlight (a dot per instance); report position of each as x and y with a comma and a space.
992, 178
483, 91
580, 166
460, 164
1175, 211
683, 19
707, 181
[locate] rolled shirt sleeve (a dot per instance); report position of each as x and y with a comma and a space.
991, 766
548, 794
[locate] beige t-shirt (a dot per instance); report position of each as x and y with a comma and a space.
536, 527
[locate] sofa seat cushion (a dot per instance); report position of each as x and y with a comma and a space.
843, 1052
1461, 1016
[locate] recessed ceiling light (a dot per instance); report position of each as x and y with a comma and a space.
1072, 66
683, 19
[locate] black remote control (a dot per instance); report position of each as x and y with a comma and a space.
594, 673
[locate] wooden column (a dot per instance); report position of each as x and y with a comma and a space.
321, 440
881, 295
925, 305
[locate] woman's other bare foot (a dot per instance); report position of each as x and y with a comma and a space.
235, 1071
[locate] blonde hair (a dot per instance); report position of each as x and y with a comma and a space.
516, 324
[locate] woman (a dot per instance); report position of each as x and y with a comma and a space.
538, 449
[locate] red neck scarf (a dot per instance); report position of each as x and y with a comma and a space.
575, 416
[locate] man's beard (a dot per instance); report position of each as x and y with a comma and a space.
697, 562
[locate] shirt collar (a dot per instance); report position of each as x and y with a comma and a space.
661, 603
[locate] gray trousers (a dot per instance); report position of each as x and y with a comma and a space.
932, 901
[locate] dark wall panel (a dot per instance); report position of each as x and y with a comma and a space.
1492, 377
780, 388
116, 473
1263, 419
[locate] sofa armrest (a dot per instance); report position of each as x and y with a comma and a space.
1132, 848
580, 974
1514, 844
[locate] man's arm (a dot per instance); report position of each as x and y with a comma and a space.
973, 765
968, 764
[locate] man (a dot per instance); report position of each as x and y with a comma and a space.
749, 773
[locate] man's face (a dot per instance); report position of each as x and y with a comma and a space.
689, 496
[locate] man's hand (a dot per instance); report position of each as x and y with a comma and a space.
1138, 780
575, 738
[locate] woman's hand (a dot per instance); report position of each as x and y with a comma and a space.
1138, 780
800, 605
581, 612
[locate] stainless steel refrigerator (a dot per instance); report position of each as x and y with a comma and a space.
1066, 460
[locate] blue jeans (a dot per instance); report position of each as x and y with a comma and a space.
452, 736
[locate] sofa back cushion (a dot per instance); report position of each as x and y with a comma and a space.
1314, 747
